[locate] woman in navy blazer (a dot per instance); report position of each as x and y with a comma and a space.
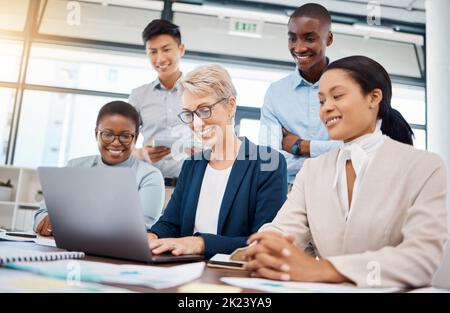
218, 201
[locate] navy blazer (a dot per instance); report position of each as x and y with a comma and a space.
256, 190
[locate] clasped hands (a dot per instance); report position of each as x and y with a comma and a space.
275, 256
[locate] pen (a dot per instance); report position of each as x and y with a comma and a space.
21, 235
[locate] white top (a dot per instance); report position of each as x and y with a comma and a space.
361, 152
211, 194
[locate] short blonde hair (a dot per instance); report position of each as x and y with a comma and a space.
209, 79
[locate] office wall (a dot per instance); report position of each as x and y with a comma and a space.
76, 68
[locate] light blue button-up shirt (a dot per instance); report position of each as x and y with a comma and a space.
149, 181
158, 108
293, 103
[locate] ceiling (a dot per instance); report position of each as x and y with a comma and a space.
412, 11
406, 11
402, 4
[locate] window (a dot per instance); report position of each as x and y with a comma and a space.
420, 140
10, 54
396, 51
56, 127
196, 27
250, 129
6, 107
13, 14
109, 71
251, 82
99, 22
399, 58
410, 101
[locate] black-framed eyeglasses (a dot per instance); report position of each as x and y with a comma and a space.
203, 112
109, 137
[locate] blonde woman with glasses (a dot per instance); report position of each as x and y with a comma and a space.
227, 191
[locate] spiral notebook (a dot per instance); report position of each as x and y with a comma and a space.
12, 255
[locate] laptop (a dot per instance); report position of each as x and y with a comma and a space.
441, 278
98, 211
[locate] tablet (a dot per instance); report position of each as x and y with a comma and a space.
165, 142
173, 142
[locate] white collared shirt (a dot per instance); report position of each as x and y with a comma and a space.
361, 152
158, 108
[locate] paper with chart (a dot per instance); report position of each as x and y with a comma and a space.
45, 241
24, 282
430, 290
40, 240
151, 276
285, 287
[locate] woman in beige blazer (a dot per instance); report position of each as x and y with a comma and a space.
373, 212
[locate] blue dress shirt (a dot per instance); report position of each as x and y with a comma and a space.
293, 103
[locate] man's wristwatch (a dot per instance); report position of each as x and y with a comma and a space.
296, 147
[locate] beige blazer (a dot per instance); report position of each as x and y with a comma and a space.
397, 227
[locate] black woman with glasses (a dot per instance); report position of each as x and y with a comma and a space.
116, 132
230, 188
